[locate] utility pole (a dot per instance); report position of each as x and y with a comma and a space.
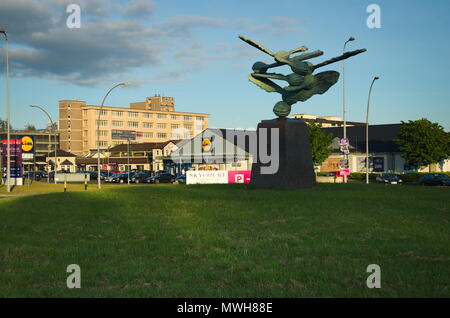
343, 101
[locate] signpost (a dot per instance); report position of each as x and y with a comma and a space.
123, 134
15, 146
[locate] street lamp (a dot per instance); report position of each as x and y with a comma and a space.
49, 141
367, 130
98, 131
8, 115
343, 100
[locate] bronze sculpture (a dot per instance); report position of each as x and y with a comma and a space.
302, 82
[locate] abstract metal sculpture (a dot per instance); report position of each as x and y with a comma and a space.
302, 83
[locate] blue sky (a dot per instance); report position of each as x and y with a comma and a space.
190, 50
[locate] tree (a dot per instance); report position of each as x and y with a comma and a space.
320, 143
423, 143
30, 127
3, 125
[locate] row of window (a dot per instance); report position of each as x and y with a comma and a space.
118, 113
135, 124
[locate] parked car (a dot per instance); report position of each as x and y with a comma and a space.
440, 179
140, 176
161, 178
121, 178
388, 178
111, 176
181, 179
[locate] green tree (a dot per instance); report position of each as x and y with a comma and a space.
320, 143
423, 143
3, 125
30, 127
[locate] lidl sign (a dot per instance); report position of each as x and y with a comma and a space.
27, 143
207, 144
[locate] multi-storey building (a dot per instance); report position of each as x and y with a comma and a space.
154, 120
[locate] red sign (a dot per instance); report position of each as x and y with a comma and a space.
343, 172
139, 133
239, 176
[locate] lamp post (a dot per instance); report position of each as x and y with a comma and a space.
98, 131
8, 115
367, 130
343, 99
49, 141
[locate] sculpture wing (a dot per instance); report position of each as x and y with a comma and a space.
256, 44
270, 75
265, 84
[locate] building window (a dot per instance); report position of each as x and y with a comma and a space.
148, 135
174, 117
117, 113
187, 118
147, 125
85, 133
161, 135
174, 126
133, 124
101, 143
84, 112
199, 118
162, 116
147, 115
161, 125
101, 133
85, 122
188, 126
102, 123
132, 114
116, 123
103, 113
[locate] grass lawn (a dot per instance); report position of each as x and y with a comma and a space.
227, 241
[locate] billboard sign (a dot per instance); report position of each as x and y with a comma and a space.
217, 176
378, 164
206, 176
123, 134
28, 143
15, 150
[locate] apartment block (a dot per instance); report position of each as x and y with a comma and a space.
154, 120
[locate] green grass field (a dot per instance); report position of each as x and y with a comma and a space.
227, 241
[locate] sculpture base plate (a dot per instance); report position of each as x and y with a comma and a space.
295, 169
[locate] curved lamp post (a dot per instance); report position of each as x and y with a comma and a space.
98, 131
367, 130
51, 121
8, 115
344, 111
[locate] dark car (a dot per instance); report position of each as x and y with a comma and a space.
121, 178
140, 177
440, 179
389, 178
161, 178
181, 179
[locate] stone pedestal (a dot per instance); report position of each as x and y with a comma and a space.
295, 167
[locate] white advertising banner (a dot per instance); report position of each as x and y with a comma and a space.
206, 176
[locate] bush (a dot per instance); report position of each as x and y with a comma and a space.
362, 175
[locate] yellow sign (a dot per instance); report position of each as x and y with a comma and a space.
27, 144
206, 144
